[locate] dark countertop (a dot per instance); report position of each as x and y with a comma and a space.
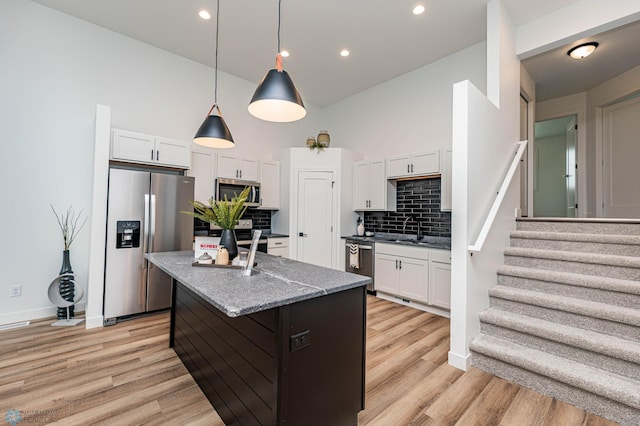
275, 281
275, 235
402, 239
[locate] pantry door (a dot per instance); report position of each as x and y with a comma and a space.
315, 218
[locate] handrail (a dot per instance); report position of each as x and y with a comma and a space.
491, 216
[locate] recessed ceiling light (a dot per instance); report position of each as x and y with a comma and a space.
204, 14
284, 53
344, 52
583, 50
418, 10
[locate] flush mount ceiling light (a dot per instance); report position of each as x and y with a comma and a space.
276, 98
418, 10
344, 53
204, 14
213, 131
583, 50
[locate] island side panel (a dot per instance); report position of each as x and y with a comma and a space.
233, 360
324, 379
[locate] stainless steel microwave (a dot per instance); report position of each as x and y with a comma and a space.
229, 188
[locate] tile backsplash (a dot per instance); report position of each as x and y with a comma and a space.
418, 199
261, 220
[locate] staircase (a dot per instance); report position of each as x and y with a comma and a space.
564, 318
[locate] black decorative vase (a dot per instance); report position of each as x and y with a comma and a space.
67, 286
228, 240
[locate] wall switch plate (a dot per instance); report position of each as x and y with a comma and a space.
300, 340
16, 290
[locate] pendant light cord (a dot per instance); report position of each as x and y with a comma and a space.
215, 89
279, 12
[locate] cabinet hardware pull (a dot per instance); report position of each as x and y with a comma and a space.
151, 154
408, 168
158, 155
412, 168
240, 173
401, 264
396, 263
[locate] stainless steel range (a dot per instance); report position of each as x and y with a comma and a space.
359, 259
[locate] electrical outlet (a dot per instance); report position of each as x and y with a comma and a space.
16, 290
299, 341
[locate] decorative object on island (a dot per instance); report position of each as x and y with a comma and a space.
276, 98
70, 225
225, 214
222, 257
213, 132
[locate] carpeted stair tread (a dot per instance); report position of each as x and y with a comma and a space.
568, 304
581, 257
594, 380
577, 337
572, 278
575, 236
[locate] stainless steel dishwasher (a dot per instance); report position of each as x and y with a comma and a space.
362, 263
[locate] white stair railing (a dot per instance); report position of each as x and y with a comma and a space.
497, 203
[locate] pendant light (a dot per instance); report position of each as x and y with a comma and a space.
213, 132
276, 98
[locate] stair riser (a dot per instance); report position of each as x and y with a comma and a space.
624, 331
622, 272
584, 356
604, 407
578, 246
580, 227
603, 296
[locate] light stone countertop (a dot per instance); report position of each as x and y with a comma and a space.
275, 281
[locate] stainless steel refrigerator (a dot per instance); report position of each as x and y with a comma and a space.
143, 216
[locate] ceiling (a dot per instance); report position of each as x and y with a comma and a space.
385, 39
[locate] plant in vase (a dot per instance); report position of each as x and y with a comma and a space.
225, 214
70, 224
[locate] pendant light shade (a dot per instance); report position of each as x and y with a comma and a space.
276, 98
213, 131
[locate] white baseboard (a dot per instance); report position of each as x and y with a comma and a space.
94, 322
461, 362
413, 304
34, 314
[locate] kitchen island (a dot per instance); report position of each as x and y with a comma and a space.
283, 346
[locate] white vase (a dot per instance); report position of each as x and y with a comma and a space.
361, 229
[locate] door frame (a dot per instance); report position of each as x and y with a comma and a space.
293, 226
571, 105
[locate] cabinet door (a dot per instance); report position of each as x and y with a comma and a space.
270, 185
130, 146
440, 284
228, 166
202, 168
398, 166
414, 279
361, 185
386, 273
279, 251
248, 168
377, 186
173, 152
445, 181
425, 163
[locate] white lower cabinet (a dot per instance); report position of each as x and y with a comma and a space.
415, 273
403, 271
440, 278
278, 246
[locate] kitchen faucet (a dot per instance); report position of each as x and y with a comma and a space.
404, 227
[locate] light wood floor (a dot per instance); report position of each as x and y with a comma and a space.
126, 375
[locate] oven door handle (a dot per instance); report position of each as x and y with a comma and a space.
362, 247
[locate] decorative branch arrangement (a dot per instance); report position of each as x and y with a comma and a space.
69, 224
224, 213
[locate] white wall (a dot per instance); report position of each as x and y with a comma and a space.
55, 70
485, 136
407, 114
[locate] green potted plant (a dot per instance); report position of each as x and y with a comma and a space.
225, 214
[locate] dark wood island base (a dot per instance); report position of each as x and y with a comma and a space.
297, 364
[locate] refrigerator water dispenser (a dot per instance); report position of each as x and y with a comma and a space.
128, 234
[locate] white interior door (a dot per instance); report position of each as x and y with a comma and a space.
570, 172
315, 218
620, 155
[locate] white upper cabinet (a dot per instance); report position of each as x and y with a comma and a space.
418, 164
234, 167
269, 185
203, 167
445, 181
147, 149
371, 189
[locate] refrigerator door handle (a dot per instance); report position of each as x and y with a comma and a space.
152, 219
145, 235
